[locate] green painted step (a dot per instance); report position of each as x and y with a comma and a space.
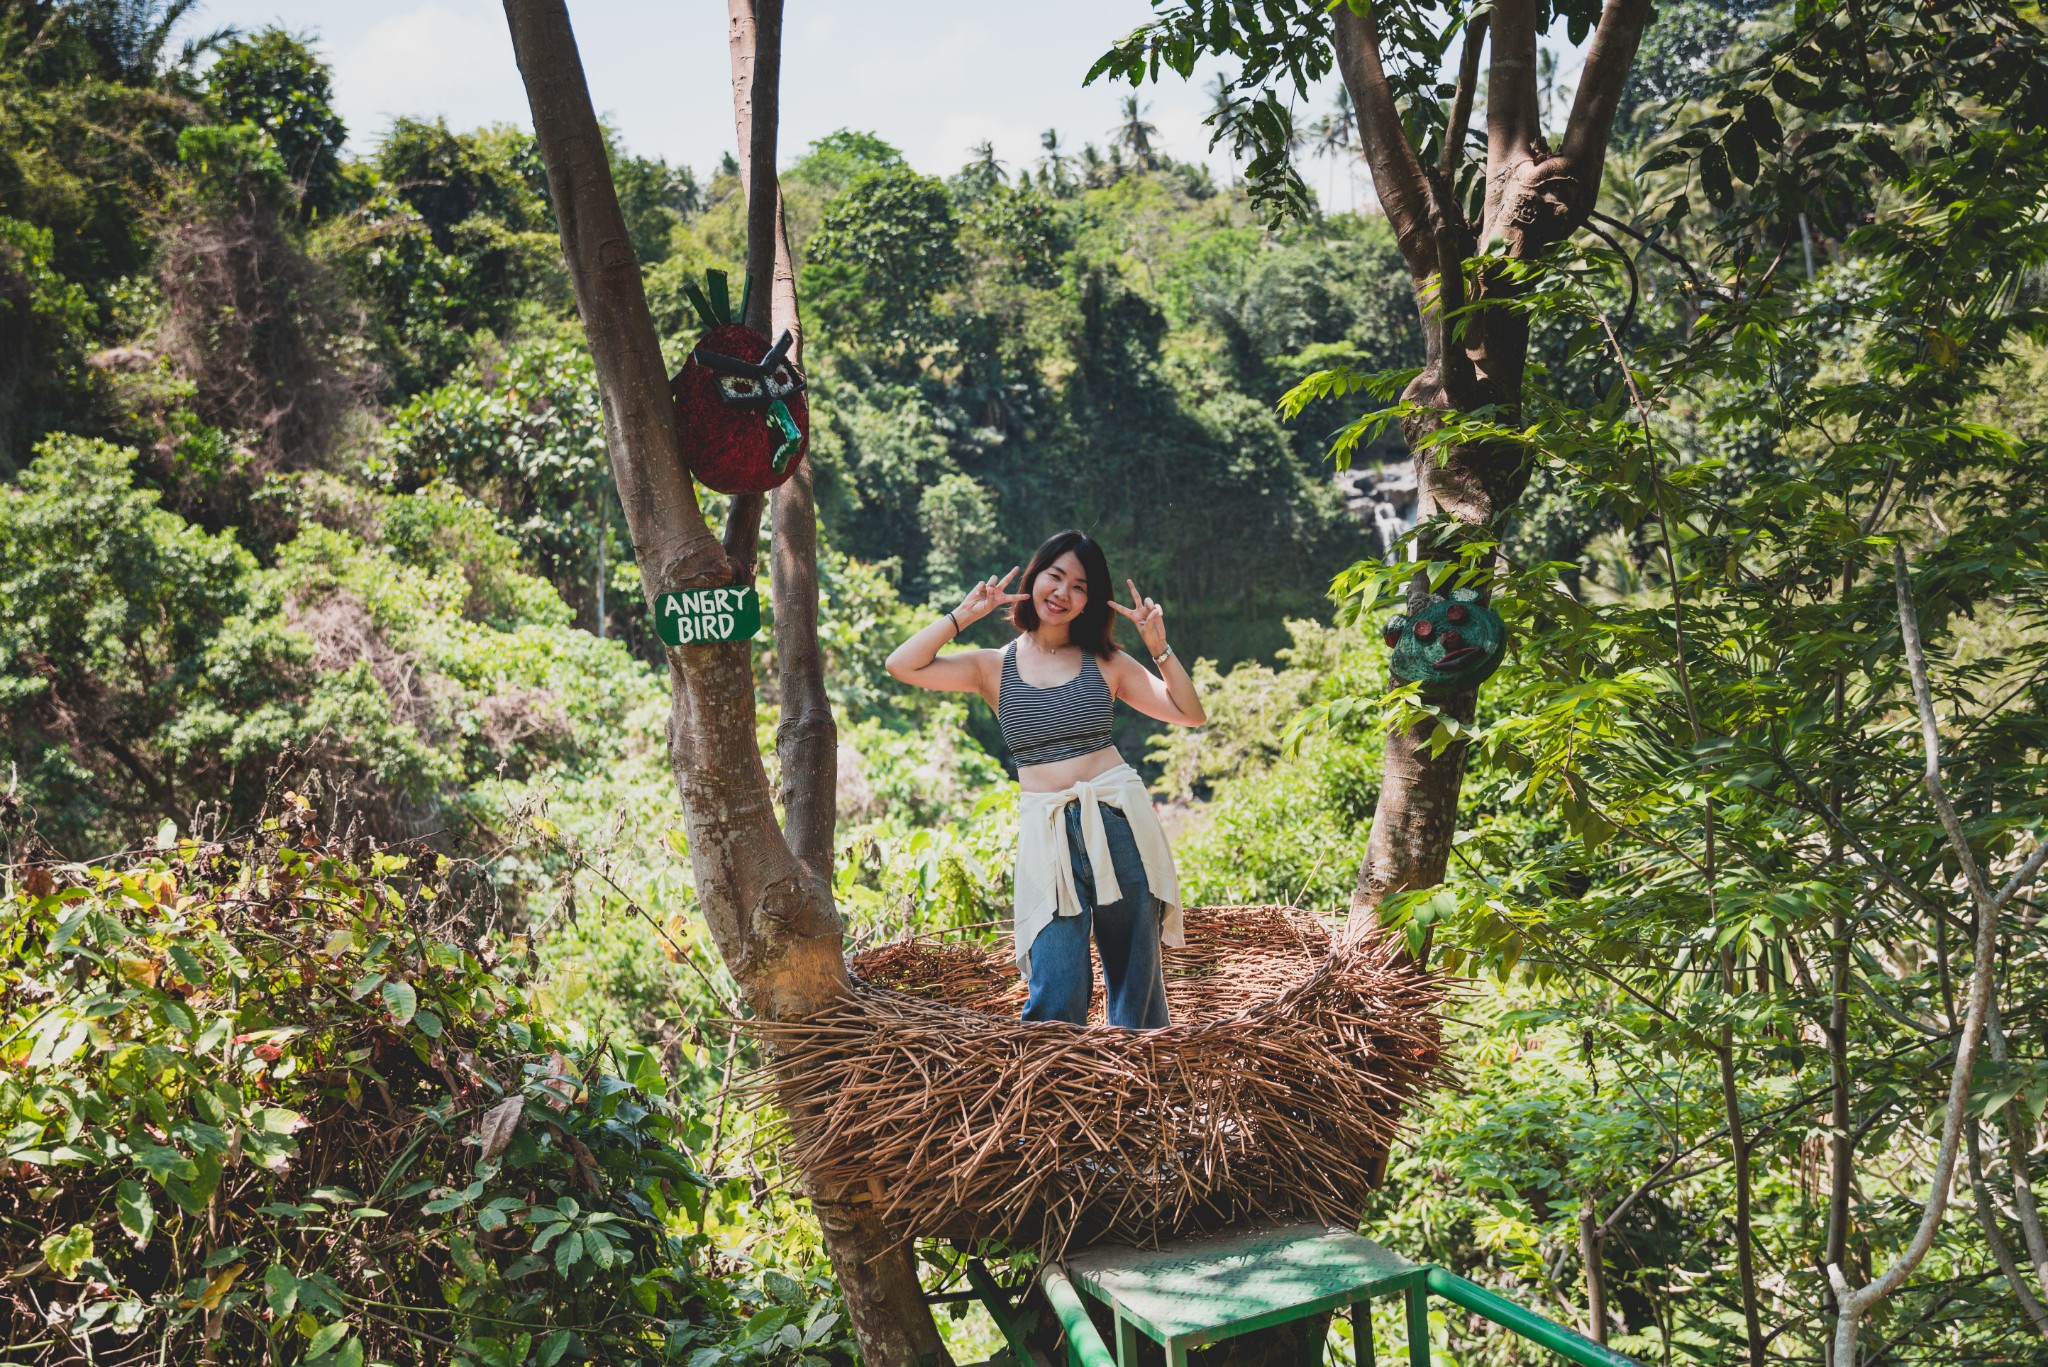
1197, 1291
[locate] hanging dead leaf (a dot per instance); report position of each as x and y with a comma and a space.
675, 937
559, 1086
500, 1123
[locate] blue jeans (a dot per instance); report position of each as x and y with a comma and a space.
1125, 932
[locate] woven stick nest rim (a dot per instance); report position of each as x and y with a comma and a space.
1275, 1093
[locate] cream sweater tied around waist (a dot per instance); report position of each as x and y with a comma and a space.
1045, 867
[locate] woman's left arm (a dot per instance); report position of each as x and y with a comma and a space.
1167, 696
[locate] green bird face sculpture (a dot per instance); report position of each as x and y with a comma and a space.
1449, 647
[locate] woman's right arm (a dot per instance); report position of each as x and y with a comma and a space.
917, 661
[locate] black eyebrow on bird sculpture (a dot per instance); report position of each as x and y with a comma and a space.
733, 365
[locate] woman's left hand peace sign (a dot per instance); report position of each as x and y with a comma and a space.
1147, 616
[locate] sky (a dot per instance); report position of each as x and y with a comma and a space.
932, 78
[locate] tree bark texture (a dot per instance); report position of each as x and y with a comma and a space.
754, 43
1593, 1258
807, 738
1474, 355
769, 912
1739, 1147
1994, 1238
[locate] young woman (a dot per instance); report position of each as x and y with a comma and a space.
1091, 857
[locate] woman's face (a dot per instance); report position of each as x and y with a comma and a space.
1060, 591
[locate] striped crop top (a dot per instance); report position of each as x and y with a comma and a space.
1046, 725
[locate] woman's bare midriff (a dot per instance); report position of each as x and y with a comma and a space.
1051, 778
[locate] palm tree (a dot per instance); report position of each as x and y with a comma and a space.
1135, 134
1337, 130
984, 166
1053, 165
1094, 171
1335, 134
1222, 109
132, 38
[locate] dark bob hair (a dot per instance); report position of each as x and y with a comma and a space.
1091, 629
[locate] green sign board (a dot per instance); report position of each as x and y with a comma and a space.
700, 616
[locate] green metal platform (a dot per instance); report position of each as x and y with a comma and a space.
1201, 1291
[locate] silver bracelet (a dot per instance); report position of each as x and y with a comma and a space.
1161, 657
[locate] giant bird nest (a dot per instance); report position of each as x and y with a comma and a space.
1275, 1092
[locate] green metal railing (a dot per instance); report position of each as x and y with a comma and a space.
1085, 1347
1566, 1343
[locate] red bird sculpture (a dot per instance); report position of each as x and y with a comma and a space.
739, 400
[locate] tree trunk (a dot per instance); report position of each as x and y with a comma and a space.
1745, 1232
1534, 199
770, 912
1841, 1138
1593, 1256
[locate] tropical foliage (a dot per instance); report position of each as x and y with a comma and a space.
394, 1035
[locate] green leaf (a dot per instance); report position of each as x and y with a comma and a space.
1762, 122
188, 966
176, 1014
567, 1252
429, 1024
280, 1290
783, 1289
1793, 91
552, 1348
65, 1252
324, 1341
278, 1120
1714, 177
1741, 150
1881, 153
193, 1193
164, 1164
136, 1210
318, 1292
399, 998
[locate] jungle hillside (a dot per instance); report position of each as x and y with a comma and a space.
365, 995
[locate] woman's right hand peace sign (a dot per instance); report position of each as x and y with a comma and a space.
985, 597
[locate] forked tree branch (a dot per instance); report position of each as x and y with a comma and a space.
764, 186
1514, 115
771, 916
807, 739
1853, 1304
754, 42
1452, 154
742, 539
670, 538
778, 935
1994, 1237
1396, 171
2018, 1133
1601, 81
